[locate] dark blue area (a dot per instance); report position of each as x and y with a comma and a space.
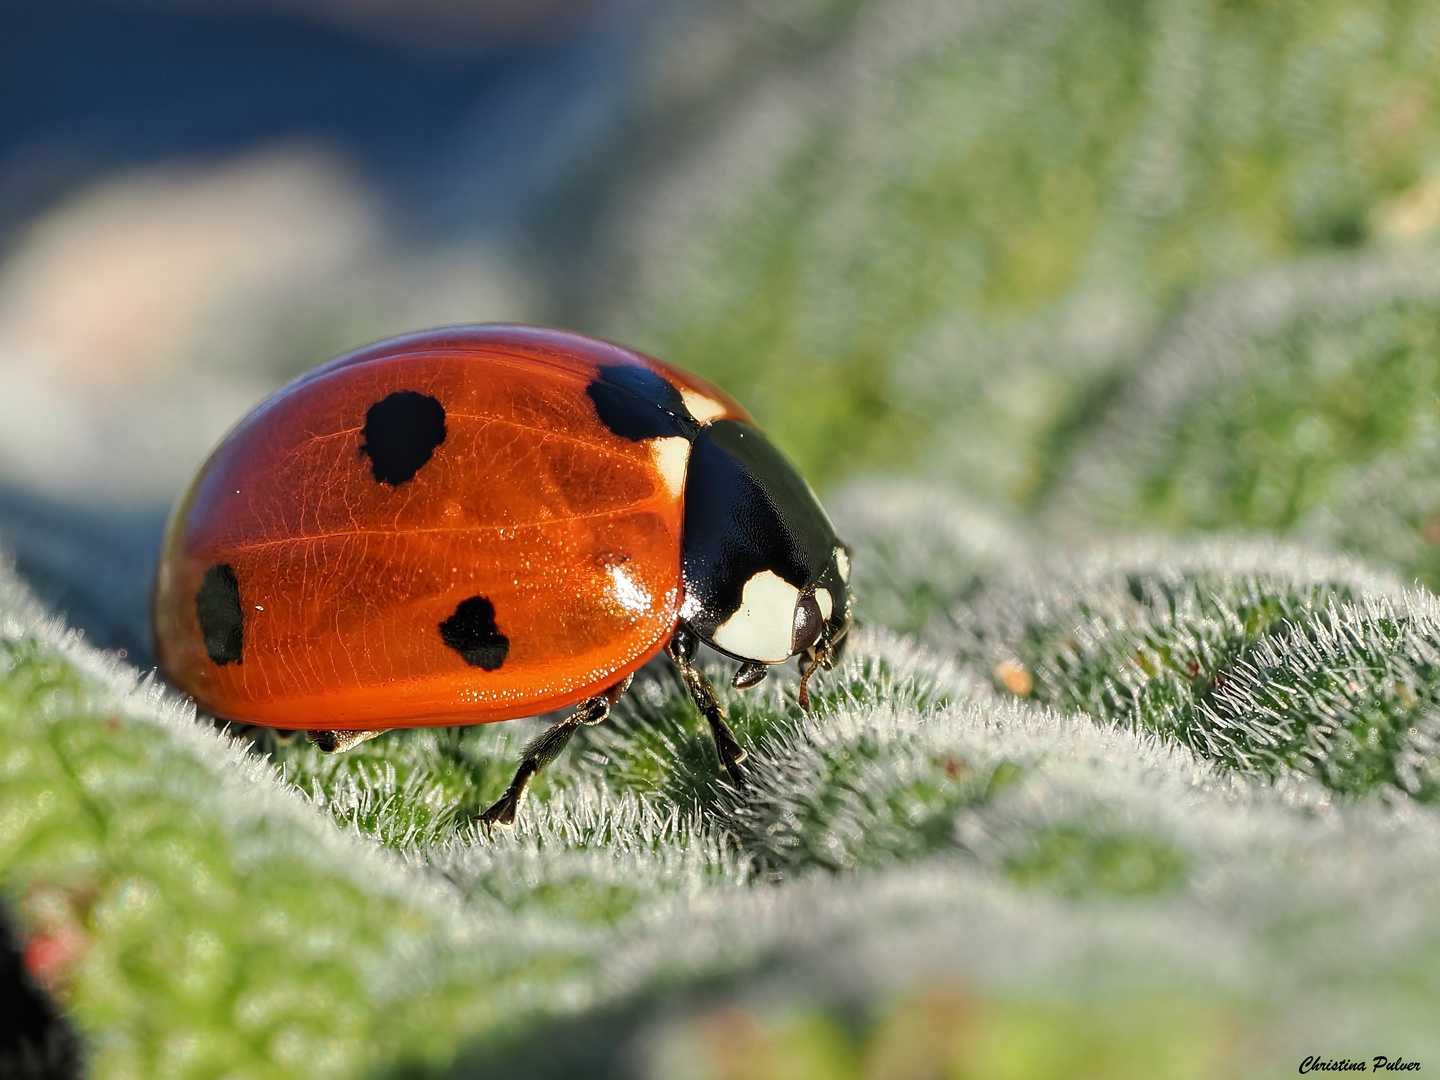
94, 566
133, 83
87, 86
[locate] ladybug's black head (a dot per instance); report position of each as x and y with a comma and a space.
766, 578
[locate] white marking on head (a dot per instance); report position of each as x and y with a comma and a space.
762, 626
842, 563
825, 602
702, 408
671, 456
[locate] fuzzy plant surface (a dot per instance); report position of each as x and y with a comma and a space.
1163, 810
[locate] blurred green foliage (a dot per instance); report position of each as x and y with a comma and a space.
1077, 860
941, 1032
943, 193
1329, 430
1265, 450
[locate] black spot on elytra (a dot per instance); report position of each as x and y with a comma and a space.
636, 403
222, 622
472, 633
401, 433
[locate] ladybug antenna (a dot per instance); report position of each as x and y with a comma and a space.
816, 657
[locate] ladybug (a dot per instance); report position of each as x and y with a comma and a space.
481, 523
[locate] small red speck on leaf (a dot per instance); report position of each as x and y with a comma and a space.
954, 769
47, 956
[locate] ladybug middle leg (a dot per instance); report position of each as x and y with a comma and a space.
546, 747
681, 650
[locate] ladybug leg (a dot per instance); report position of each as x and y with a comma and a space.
681, 650
546, 747
337, 742
750, 674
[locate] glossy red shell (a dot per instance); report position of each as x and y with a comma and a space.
570, 531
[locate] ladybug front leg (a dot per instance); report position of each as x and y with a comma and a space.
681, 650
545, 748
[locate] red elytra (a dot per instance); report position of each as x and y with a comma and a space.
328, 577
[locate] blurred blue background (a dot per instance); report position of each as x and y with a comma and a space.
460, 115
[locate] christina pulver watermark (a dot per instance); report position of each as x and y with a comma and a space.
1380, 1063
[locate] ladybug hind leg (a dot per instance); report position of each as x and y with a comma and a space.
337, 742
681, 650
546, 747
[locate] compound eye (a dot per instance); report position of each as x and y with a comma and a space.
809, 623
